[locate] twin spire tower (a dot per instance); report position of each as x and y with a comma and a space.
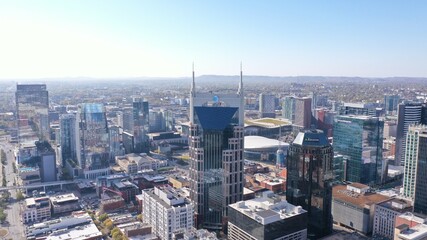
216, 143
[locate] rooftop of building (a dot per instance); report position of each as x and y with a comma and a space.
359, 117
167, 196
64, 198
316, 138
411, 217
414, 233
124, 184
258, 142
133, 225
77, 218
267, 208
398, 205
88, 231
267, 122
341, 193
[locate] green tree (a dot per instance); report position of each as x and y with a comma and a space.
103, 217
19, 196
3, 215
108, 224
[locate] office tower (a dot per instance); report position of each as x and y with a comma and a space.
32, 112
420, 198
324, 120
116, 148
407, 113
367, 109
216, 154
47, 161
140, 125
267, 105
70, 146
390, 103
288, 108
266, 217
360, 140
313, 97
167, 211
415, 157
303, 112
156, 121
309, 180
94, 140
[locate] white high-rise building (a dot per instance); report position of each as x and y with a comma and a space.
167, 211
415, 132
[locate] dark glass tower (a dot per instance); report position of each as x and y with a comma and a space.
216, 155
140, 125
309, 180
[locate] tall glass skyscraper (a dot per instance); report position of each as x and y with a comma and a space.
216, 154
309, 180
390, 103
32, 107
288, 108
69, 133
94, 140
140, 114
359, 139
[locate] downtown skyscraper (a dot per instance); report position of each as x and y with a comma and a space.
94, 140
216, 154
359, 139
309, 180
32, 107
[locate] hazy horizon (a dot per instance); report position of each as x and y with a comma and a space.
110, 39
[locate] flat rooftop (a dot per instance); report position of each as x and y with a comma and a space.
64, 198
341, 193
267, 122
258, 142
417, 232
267, 209
89, 231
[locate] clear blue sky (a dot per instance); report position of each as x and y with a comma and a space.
162, 38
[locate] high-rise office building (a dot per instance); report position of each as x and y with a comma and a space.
390, 103
216, 154
415, 157
47, 162
94, 141
360, 140
140, 125
288, 108
420, 198
32, 112
309, 180
116, 147
267, 105
369, 109
407, 113
303, 112
69, 132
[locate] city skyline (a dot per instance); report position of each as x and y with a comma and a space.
48, 39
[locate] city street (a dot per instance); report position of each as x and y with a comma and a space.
14, 225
